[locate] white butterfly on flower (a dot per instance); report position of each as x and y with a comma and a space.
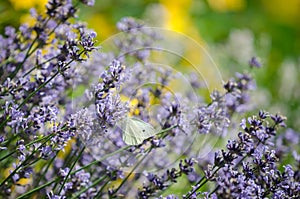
135, 131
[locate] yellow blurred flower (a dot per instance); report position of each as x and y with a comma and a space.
287, 12
27, 19
102, 26
40, 5
178, 19
62, 154
132, 104
27, 4
22, 181
227, 5
177, 16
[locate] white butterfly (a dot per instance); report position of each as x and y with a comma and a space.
136, 131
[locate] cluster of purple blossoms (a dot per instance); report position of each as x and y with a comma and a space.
109, 107
168, 178
249, 167
38, 65
72, 147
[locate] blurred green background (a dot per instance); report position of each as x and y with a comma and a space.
233, 30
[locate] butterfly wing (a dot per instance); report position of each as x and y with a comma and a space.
136, 131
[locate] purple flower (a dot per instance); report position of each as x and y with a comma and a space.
254, 63
158, 183
88, 2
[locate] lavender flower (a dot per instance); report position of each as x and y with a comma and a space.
73, 148
263, 177
88, 2
109, 107
254, 62
161, 183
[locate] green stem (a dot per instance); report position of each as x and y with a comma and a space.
200, 183
148, 152
92, 185
37, 90
86, 166
70, 157
166, 130
103, 158
42, 175
19, 66
40, 87
27, 145
29, 51
132, 170
32, 69
45, 83
4, 122
25, 195
71, 168
34, 92
29, 96
98, 195
66, 163
25, 161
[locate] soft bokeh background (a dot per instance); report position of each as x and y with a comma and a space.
233, 30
